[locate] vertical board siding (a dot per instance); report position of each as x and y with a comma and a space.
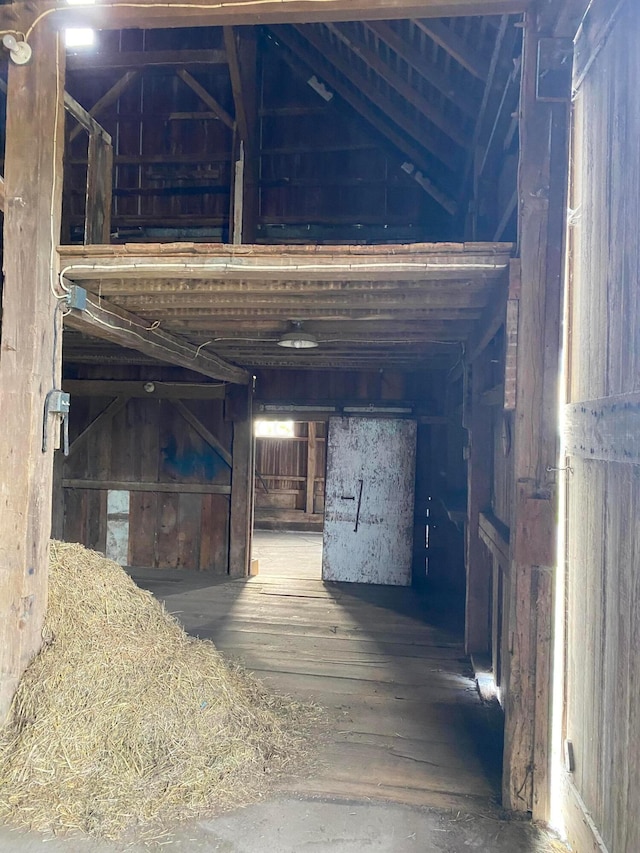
603, 540
149, 441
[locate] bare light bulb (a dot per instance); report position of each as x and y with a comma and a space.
19, 51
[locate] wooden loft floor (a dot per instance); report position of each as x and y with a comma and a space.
402, 306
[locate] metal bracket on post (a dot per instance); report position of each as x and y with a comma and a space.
56, 403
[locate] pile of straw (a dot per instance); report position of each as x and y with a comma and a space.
124, 722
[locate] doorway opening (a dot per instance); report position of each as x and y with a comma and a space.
290, 460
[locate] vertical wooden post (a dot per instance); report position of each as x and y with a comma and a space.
312, 446
478, 560
242, 55
97, 225
30, 350
542, 186
242, 479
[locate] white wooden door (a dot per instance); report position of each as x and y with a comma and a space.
369, 498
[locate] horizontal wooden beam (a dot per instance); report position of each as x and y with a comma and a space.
149, 14
149, 388
144, 59
126, 486
419, 261
607, 428
110, 323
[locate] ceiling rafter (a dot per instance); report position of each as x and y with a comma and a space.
458, 49
430, 142
429, 72
430, 110
296, 54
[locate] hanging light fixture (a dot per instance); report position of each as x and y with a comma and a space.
298, 338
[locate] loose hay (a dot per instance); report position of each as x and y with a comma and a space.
124, 721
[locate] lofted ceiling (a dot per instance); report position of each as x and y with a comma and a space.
404, 307
419, 114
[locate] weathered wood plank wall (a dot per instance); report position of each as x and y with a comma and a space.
603, 491
179, 485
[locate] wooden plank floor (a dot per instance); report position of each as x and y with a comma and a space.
406, 723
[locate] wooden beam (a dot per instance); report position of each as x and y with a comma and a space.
161, 389
427, 70
30, 357
107, 99
242, 481
312, 452
495, 536
106, 415
108, 322
149, 14
206, 98
84, 119
237, 87
363, 107
421, 134
458, 49
126, 486
479, 480
218, 262
203, 432
542, 187
607, 429
242, 53
493, 396
428, 109
2, 196
113, 59
97, 223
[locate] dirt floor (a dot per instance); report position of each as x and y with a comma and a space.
411, 761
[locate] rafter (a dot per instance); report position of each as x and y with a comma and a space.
435, 115
427, 70
428, 140
298, 59
463, 53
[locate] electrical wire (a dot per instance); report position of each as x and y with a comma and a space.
207, 7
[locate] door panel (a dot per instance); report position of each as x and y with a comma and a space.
369, 503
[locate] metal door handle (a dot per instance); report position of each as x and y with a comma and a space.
355, 529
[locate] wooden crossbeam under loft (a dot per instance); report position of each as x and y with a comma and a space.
103, 320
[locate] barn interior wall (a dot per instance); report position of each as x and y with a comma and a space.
177, 485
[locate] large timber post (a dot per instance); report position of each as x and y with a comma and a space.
30, 348
542, 188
